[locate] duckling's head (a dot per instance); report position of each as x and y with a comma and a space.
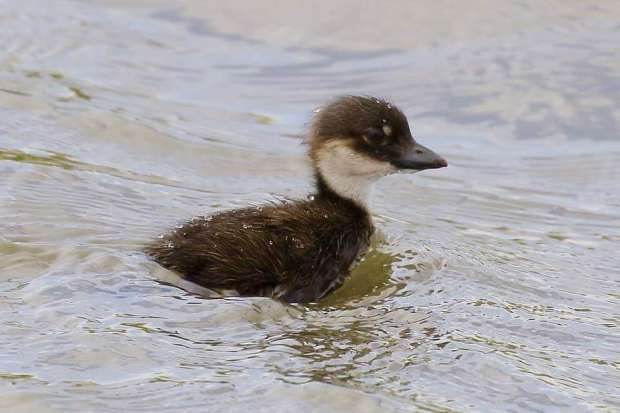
355, 140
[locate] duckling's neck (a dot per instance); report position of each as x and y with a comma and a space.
346, 173
347, 188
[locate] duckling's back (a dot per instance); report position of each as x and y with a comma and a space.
297, 251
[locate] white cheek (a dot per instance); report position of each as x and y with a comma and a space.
348, 173
342, 160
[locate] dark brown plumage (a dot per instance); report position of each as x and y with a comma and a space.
301, 251
296, 251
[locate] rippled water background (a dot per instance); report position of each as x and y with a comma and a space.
498, 288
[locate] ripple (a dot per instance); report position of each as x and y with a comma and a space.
493, 288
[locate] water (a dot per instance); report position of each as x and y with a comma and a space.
497, 288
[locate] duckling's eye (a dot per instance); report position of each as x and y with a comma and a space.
374, 136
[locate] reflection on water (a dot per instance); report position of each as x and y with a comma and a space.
370, 278
496, 287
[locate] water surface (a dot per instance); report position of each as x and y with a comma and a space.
497, 289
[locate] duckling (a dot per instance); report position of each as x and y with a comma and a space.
301, 251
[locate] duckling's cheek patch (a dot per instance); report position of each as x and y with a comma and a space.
387, 129
339, 159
